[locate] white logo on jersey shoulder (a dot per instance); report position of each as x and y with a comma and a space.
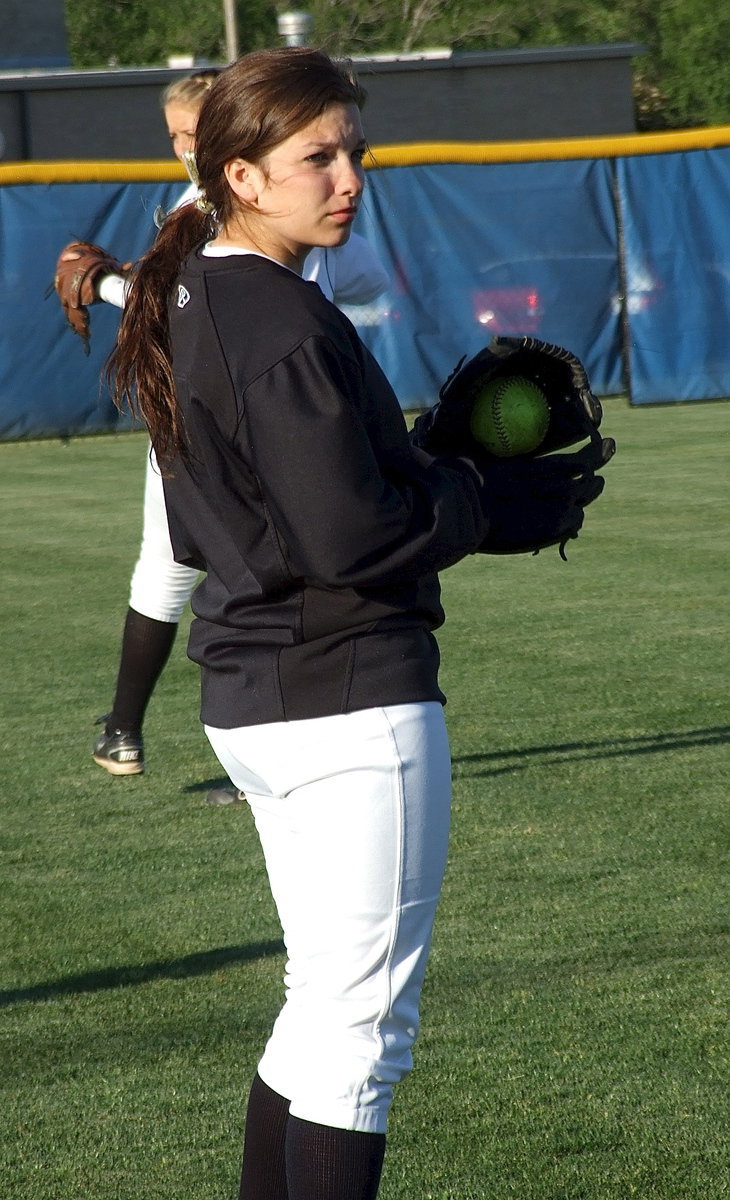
183, 295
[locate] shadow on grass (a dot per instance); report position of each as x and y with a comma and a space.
206, 785
118, 977
613, 747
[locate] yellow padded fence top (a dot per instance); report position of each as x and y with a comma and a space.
620, 145
408, 154
92, 171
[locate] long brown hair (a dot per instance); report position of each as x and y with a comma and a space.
254, 105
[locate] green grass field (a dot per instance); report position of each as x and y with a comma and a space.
574, 1042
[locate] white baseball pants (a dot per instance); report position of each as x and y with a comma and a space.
353, 816
160, 587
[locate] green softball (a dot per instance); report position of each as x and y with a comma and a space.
510, 416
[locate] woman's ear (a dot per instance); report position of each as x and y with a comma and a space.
244, 179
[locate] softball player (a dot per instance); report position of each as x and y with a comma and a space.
290, 480
160, 588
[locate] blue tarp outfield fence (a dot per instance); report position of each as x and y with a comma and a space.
622, 256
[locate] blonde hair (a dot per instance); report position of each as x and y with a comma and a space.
190, 91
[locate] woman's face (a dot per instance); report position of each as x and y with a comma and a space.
181, 121
307, 191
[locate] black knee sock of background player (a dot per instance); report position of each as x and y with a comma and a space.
323, 1163
263, 1174
146, 646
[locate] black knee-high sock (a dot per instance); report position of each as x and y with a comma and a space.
332, 1164
263, 1174
146, 646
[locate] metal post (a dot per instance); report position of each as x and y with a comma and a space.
229, 12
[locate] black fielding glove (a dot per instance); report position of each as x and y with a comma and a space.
535, 499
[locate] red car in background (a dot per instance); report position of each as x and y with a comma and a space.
507, 309
520, 296
546, 297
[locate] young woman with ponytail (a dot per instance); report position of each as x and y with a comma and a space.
291, 482
160, 588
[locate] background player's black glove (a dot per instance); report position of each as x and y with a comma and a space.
536, 499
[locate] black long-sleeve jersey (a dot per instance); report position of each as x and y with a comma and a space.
319, 528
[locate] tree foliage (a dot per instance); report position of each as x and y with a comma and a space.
141, 33
692, 65
682, 79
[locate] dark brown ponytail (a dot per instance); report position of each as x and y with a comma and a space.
139, 370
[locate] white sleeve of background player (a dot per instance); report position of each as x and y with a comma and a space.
359, 275
349, 274
113, 289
